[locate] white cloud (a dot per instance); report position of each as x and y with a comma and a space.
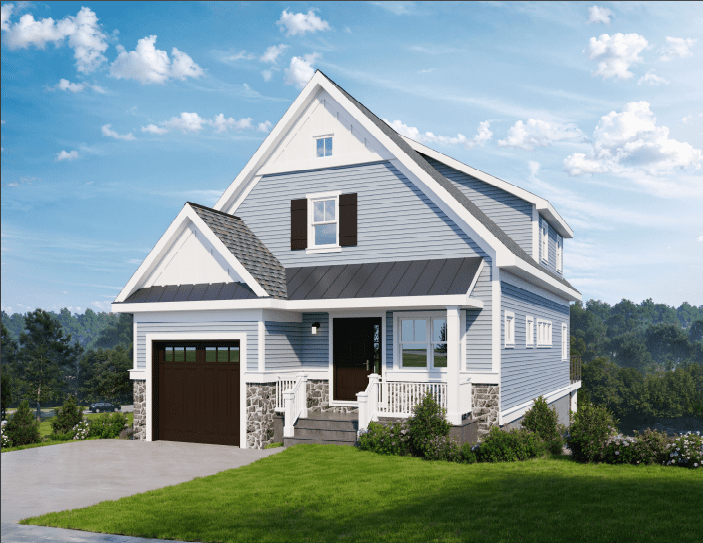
149, 65
615, 54
271, 54
223, 125
483, 136
187, 122
538, 133
651, 78
63, 155
241, 55
399, 7
676, 48
300, 70
84, 34
480, 139
5, 14
599, 15
265, 126
65, 85
153, 129
112, 134
631, 142
700, 238
300, 23
268, 74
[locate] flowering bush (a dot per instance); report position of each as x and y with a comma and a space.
442, 448
686, 451
81, 430
502, 446
380, 438
4, 439
591, 428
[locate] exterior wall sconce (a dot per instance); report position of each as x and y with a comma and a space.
315, 327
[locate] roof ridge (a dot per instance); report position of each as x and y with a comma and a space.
201, 206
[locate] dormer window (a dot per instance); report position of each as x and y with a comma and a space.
324, 146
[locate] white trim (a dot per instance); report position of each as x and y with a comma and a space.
544, 333
509, 329
389, 303
564, 344
262, 344
482, 378
539, 203
560, 254
529, 332
324, 249
328, 247
475, 279
462, 344
270, 376
328, 194
496, 319
521, 283
544, 241
174, 336
514, 413
535, 233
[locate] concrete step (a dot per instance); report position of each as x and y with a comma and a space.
288, 441
334, 435
327, 424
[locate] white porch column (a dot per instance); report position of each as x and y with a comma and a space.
453, 364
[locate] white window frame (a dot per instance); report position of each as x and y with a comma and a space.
329, 247
564, 344
325, 136
509, 330
428, 318
529, 331
560, 253
544, 333
545, 240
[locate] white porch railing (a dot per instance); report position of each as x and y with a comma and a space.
465, 393
295, 402
282, 384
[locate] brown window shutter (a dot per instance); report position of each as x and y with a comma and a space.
347, 219
298, 224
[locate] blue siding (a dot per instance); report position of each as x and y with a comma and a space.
396, 221
528, 372
316, 348
250, 328
478, 325
291, 346
511, 213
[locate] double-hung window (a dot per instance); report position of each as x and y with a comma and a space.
529, 331
560, 253
545, 240
423, 343
544, 333
324, 223
509, 329
564, 342
323, 146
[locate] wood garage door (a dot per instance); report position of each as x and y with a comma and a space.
196, 395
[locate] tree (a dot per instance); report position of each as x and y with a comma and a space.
588, 326
105, 375
631, 352
44, 354
687, 314
601, 382
668, 344
8, 355
118, 332
695, 333
624, 317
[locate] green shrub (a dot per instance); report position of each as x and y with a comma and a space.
22, 428
468, 454
389, 439
66, 419
427, 422
502, 446
686, 451
591, 427
651, 447
443, 448
107, 426
544, 421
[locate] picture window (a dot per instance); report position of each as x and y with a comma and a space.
423, 343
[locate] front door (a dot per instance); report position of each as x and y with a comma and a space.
356, 354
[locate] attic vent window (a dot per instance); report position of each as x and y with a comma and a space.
324, 146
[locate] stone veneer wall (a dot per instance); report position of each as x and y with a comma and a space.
261, 405
139, 424
485, 406
319, 398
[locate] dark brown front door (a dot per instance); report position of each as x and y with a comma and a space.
356, 354
196, 392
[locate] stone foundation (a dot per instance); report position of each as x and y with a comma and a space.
260, 409
139, 424
319, 399
485, 407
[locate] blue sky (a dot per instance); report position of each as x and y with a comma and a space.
115, 114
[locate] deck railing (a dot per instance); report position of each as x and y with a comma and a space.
295, 402
398, 398
575, 369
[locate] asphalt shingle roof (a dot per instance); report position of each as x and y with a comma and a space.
247, 248
459, 196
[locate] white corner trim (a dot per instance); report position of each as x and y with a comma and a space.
262, 346
535, 233
514, 413
496, 319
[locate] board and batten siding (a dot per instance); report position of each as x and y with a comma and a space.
478, 325
395, 220
291, 346
221, 327
528, 372
511, 213
551, 263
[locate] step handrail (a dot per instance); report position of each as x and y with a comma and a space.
295, 401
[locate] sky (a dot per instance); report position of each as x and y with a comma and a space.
116, 114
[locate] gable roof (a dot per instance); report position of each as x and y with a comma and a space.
247, 248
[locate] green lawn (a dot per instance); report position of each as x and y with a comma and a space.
328, 493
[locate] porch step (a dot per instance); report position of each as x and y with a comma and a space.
325, 428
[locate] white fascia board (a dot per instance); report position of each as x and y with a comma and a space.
535, 276
543, 206
186, 216
514, 413
270, 143
475, 279
386, 303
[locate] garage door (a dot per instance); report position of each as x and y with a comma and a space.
197, 392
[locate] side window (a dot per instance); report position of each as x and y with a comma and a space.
564, 342
324, 146
529, 331
423, 343
560, 253
509, 329
544, 333
545, 240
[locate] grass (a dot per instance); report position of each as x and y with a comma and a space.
45, 431
328, 493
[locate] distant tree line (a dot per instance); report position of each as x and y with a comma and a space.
43, 362
640, 359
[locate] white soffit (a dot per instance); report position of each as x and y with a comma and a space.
543, 206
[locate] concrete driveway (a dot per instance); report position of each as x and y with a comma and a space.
80, 474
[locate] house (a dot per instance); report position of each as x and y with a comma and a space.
348, 270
